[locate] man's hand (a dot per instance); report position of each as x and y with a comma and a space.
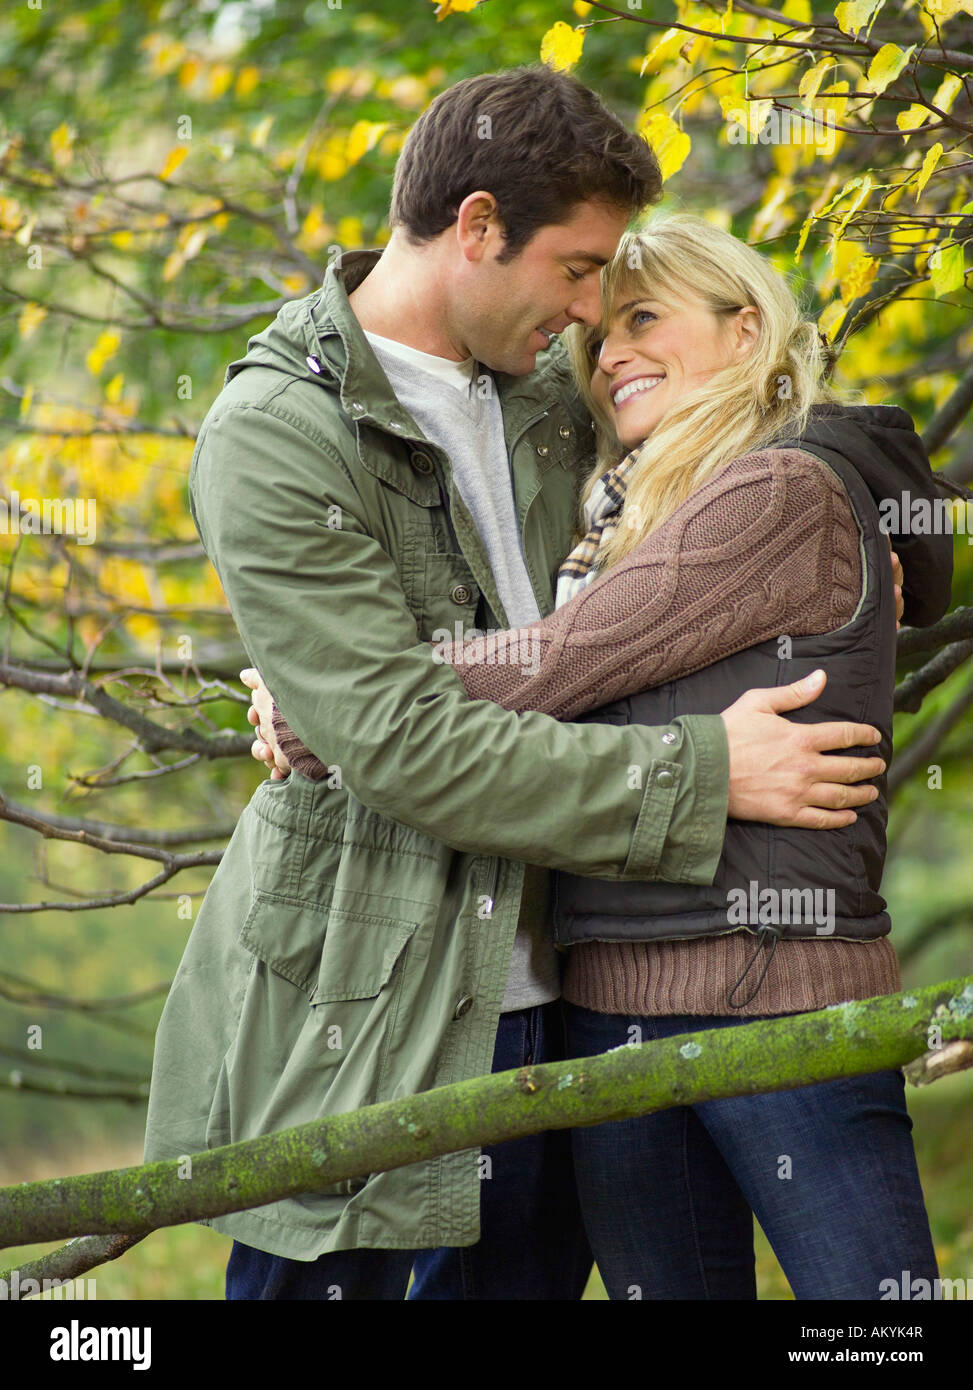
898, 579
780, 771
260, 714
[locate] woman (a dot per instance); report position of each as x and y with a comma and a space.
731, 539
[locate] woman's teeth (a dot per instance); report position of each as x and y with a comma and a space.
633, 388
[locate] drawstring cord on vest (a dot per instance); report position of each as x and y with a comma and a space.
775, 933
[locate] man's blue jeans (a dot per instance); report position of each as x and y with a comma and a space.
532, 1243
829, 1171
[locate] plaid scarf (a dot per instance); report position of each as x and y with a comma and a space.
600, 511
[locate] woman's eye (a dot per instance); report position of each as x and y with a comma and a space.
642, 314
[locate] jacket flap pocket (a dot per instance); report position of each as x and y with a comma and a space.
361, 950
287, 934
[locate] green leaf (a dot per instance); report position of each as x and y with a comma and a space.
946, 269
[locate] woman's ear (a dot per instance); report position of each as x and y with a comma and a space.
746, 330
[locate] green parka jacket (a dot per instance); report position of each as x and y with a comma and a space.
353, 945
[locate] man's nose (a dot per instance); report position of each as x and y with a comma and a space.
586, 305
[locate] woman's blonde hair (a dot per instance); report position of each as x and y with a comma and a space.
678, 258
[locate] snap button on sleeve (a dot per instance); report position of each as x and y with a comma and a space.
463, 1006
664, 778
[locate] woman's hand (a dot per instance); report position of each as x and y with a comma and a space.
260, 714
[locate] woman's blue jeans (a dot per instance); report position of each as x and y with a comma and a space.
829, 1171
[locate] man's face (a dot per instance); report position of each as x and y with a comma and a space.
505, 313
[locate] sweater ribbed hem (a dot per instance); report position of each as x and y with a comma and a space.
643, 978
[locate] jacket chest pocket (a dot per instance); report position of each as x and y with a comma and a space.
438, 584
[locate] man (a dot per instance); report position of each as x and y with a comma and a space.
391, 458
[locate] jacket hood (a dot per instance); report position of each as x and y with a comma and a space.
880, 441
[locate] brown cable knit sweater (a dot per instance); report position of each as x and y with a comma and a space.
767, 547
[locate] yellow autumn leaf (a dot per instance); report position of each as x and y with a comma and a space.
581, 8
113, 390
669, 144
911, 119
30, 319
9, 214
295, 283
258, 136
338, 79
122, 239
220, 77
26, 401
831, 319
662, 51
188, 72
834, 98
247, 79
332, 166
856, 202
808, 86
106, 345
933, 156
946, 92
408, 91
173, 160
858, 277
363, 137
445, 7
167, 55
941, 10
885, 67
350, 231
561, 46
854, 15
62, 143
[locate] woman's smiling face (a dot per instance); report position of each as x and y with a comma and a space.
654, 353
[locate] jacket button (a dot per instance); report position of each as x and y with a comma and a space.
314, 364
463, 1006
668, 738
422, 463
461, 593
543, 450
664, 778
357, 407
565, 432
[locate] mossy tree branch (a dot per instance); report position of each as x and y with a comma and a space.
767, 1055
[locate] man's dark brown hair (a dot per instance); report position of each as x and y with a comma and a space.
538, 140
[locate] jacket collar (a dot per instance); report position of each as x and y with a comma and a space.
333, 328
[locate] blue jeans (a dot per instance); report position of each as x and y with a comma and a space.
532, 1243
828, 1170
